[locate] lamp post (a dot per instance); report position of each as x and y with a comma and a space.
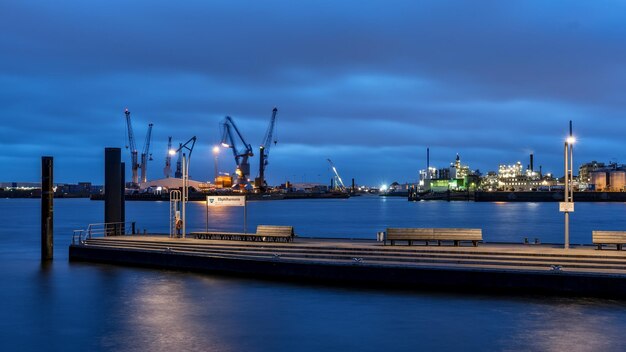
216, 152
567, 205
185, 193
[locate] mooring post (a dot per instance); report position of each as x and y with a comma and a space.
47, 208
112, 186
123, 199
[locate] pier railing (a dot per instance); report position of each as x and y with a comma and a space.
103, 230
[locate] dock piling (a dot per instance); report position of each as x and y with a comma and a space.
113, 191
47, 208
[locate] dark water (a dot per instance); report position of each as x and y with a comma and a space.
87, 307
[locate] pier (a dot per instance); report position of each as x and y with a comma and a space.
491, 267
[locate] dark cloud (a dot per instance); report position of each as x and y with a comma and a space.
369, 85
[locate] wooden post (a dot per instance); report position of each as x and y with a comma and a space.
47, 208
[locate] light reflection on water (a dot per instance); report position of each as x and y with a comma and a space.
64, 307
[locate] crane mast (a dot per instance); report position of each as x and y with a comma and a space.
168, 159
179, 171
338, 182
264, 152
241, 156
146, 156
133, 150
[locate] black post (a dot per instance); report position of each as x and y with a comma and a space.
353, 188
47, 208
112, 186
261, 169
123, 197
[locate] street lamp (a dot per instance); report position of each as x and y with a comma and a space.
216, 152
185, 192
567, 205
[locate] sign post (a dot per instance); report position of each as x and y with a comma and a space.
229, 201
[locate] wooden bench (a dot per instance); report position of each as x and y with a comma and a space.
617, 238
264, 233
275, 233
435, 234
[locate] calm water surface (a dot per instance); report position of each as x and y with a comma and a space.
87, 307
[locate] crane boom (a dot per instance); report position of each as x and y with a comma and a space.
145, 155
134, 165
338, 182
167, 170
241, 156
264, 151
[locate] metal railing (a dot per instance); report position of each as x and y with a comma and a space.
103, 230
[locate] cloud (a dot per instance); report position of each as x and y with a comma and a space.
368, 84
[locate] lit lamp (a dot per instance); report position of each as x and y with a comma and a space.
568, 200
216, 152
185, 192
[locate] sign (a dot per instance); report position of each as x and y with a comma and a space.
226, 201
566, 207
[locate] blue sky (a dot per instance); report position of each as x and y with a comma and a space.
367, 84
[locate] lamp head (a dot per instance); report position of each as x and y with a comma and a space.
570, 140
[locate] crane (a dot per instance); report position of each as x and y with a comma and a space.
241, 156
133, 150
179, 173
146, 155
338, 182
167, 170
264, 152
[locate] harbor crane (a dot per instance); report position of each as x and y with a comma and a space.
338, 182
264, 152
146, 155
242, 155
134, 164
181, 146
167, 170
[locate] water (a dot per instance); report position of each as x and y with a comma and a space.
88, 307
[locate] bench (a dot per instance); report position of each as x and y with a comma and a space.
264, 233
617, 238
435, 234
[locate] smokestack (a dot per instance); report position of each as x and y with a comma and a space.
427, 163
531, 162
570, 128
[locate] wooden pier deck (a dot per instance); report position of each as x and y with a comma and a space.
493, 267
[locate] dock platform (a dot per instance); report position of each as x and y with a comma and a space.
490, 267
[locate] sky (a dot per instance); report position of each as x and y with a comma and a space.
368, 84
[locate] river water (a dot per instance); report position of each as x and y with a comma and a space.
90, 307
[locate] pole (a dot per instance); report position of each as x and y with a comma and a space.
47, 208
112, 190
184, 214
215, 166
245, 214
566, 195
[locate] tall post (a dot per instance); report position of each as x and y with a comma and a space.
185, 195
566, 195
47, 208
123, 197
112, 186
261, 169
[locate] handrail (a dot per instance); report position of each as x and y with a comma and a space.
103, 229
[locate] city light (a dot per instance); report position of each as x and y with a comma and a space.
172, 152
216, 150
383, 188
571, 140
